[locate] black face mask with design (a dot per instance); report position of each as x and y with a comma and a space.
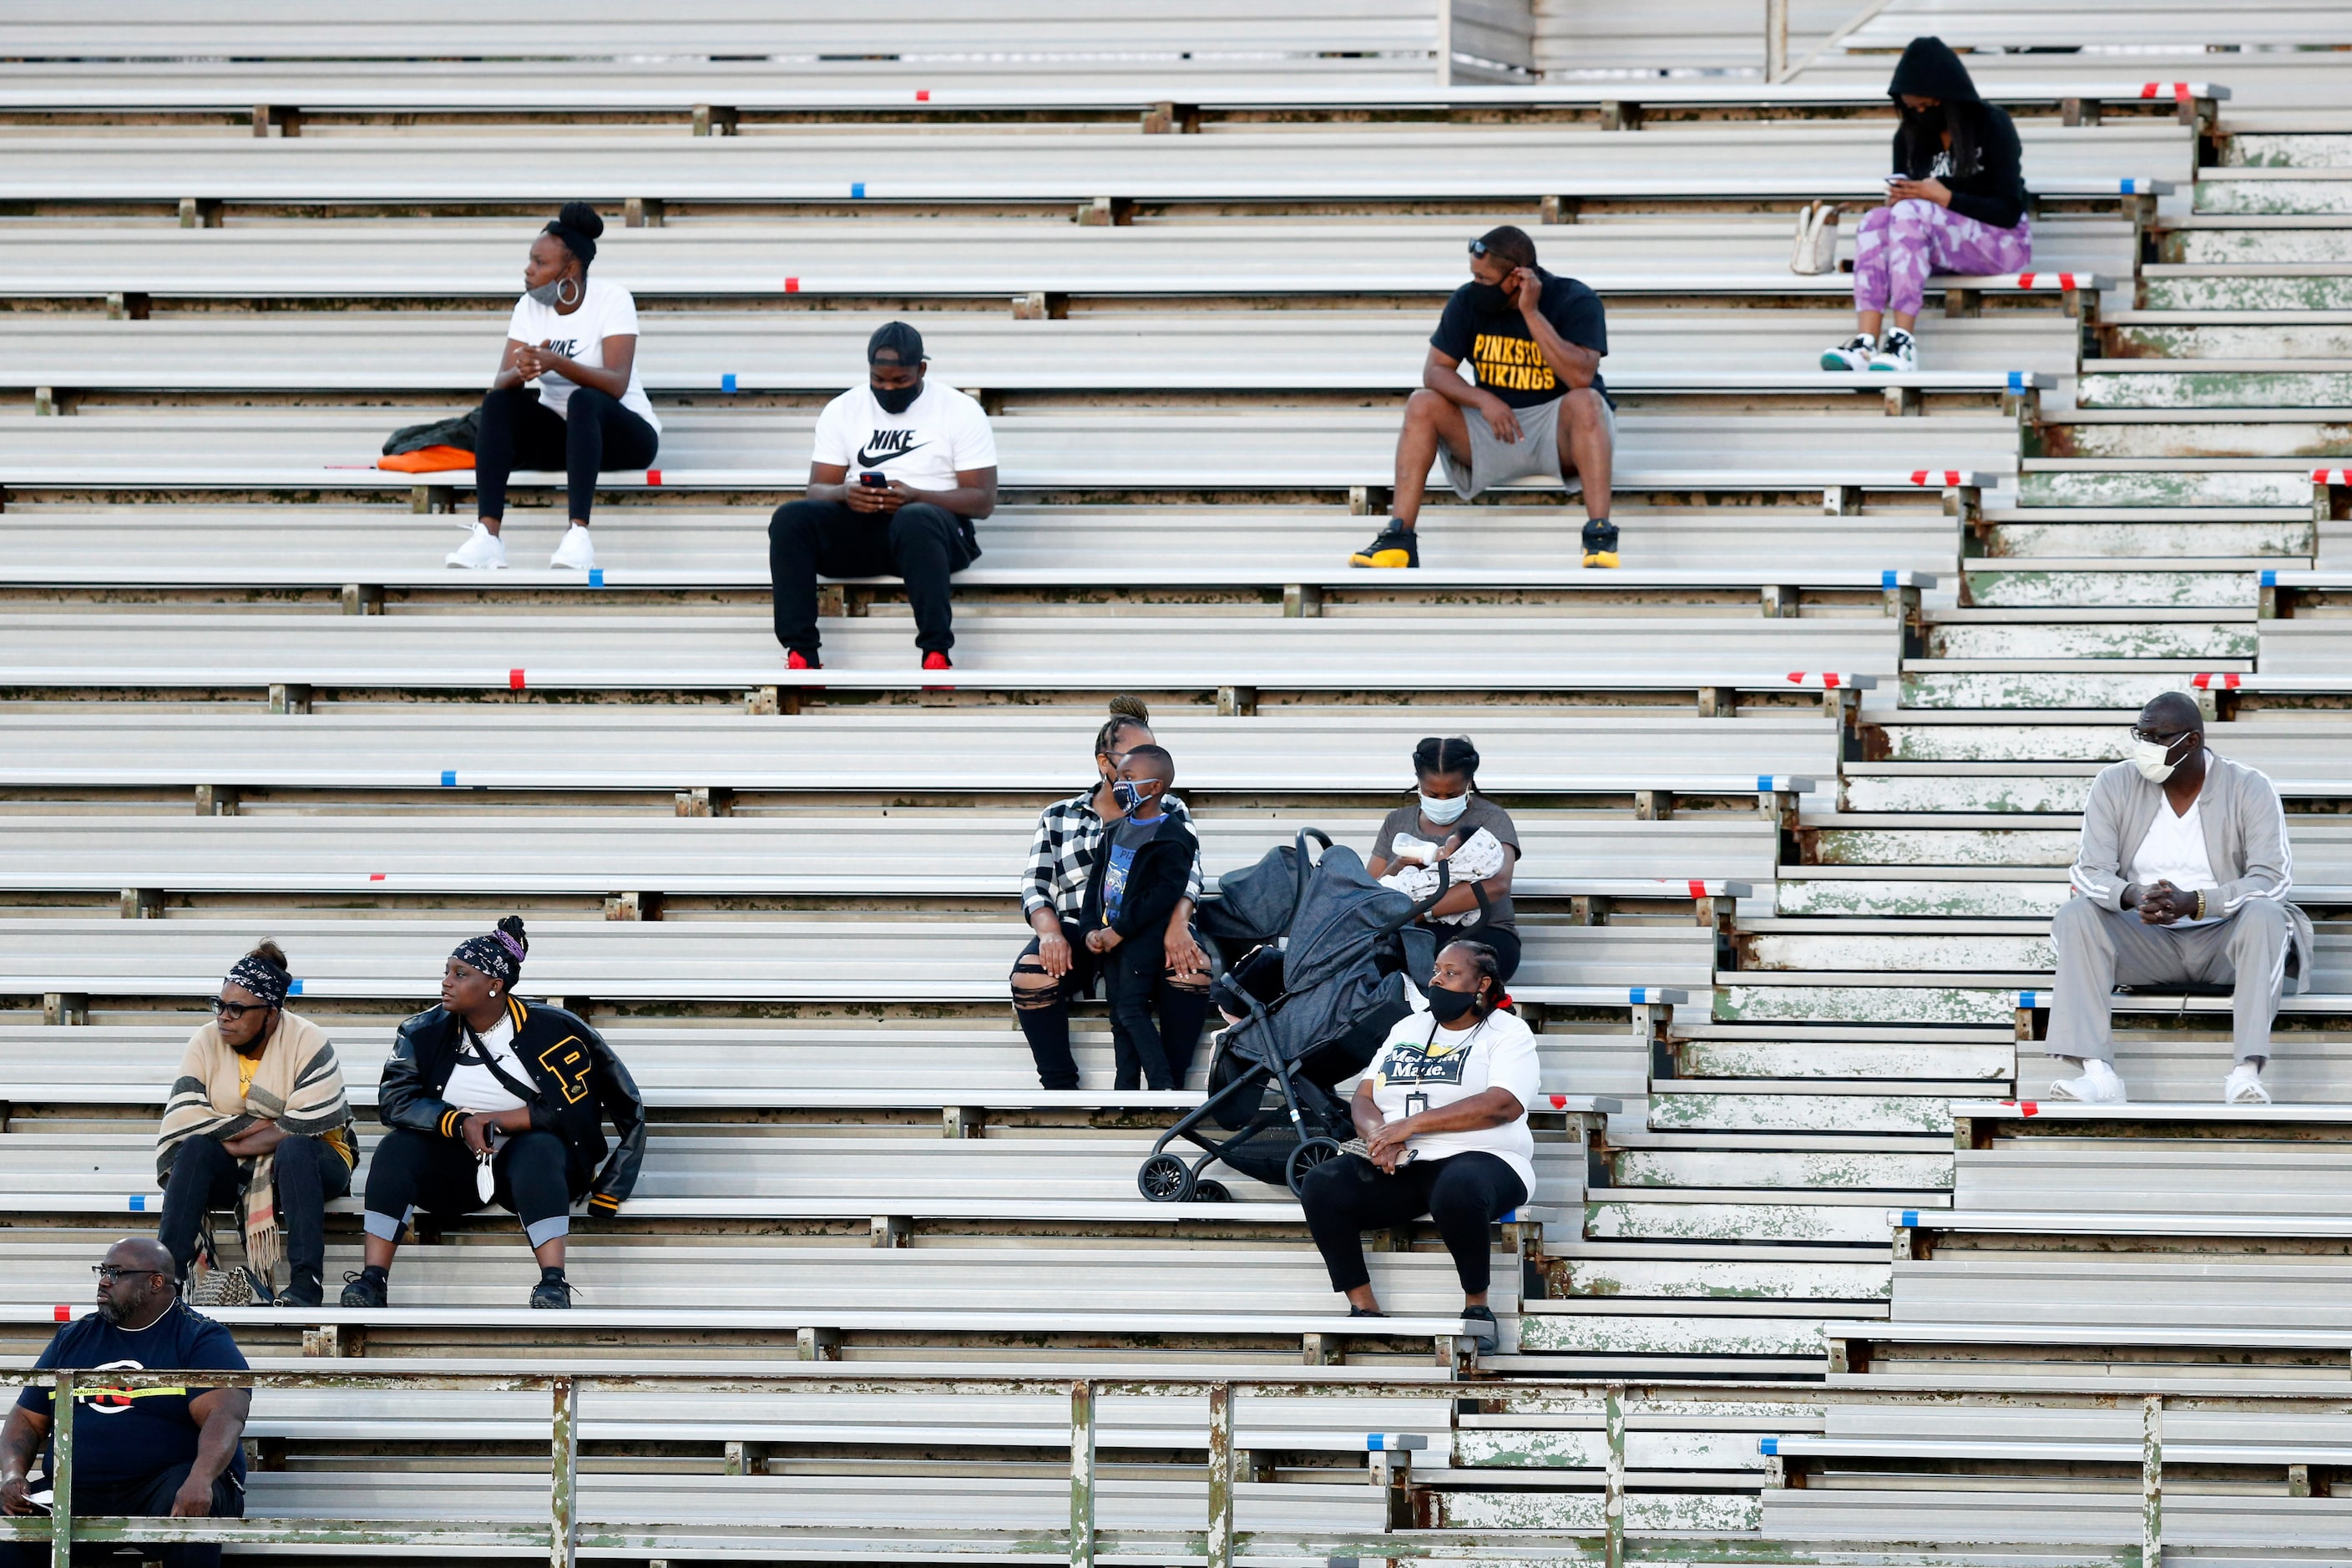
897, 399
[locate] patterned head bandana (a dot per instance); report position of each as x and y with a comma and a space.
261, 977
498, 955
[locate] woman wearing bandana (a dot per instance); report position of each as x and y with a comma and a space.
495, 1100
576, 338
256, 1121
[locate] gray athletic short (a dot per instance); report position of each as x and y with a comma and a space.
1535, 455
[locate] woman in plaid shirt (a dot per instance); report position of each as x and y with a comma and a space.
1055, 968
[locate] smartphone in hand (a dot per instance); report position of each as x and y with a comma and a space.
872, 480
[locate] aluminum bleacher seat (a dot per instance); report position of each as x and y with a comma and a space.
1144, 449
1732, 551
2107, 168
942, 959
1265, 352
1725, 254
585, 652
597, 749
959, 855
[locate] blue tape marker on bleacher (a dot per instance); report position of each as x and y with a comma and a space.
2025, 998
1910, 1219
1887, 579
293, 988
1375, 1440
1764, 784
449, 778
727, 382
595, 576
2270, 578
138, 1203
857, 191
1768, 1445
2017, 380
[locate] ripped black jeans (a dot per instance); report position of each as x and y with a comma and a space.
1135, 982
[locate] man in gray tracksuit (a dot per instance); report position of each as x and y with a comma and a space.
2182, 877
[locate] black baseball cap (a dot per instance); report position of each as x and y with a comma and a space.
898, 338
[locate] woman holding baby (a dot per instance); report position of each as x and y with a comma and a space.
1450, 821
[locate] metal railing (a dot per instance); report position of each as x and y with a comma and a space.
563, 1537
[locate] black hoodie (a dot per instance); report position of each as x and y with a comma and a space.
1993, 192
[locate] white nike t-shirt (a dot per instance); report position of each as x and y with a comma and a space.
472, 1086
942, 432
608, 311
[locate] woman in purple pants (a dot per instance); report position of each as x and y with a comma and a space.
1954, 203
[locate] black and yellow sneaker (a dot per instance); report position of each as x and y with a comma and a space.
1396, 546
1600, 543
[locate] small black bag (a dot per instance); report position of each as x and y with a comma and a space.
464, 432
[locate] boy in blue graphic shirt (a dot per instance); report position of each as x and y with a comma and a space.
1146, 862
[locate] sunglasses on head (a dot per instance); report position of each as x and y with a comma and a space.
1479, 247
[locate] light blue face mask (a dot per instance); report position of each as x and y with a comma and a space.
1445, 810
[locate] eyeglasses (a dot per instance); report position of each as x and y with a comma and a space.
233, 1011
2164, 738
109, 1272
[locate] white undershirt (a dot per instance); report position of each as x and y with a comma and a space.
473, 1086
2174, 851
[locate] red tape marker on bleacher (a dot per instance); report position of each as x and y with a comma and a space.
1698, 889
652, 476
375, 876
65, 1313
2226, 681
923, 95
792, 285
514, 680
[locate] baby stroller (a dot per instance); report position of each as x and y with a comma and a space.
1317, 999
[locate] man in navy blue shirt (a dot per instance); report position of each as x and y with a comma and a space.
1536, 409
141, 1452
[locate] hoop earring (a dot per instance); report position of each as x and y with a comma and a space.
576, 291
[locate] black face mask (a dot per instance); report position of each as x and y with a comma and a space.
1489, 296
897, 399
1445, 1006
1926, 122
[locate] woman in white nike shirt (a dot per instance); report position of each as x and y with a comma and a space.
587, 415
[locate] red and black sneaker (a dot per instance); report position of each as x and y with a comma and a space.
795, 659
936, 660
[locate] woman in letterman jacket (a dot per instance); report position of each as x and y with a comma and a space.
492, 1100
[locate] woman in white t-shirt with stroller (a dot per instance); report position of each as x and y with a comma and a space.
577, 339
1441, 1116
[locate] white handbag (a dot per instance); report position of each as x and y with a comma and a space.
1817, 236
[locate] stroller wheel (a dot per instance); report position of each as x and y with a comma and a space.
1306, 1157
1165, 1179
1212, 1192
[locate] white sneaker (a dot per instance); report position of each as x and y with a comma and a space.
1854, 354
1898, 353
2244, 1086
482, 552
576, 551
2098, 1085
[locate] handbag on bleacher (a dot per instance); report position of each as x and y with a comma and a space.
1817, 236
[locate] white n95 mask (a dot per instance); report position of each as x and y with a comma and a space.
2152, 760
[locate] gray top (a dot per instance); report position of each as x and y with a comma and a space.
2245, 842
1480, 813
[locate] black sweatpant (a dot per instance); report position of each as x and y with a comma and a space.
1463, 1193
591, 435
1135, 982
148, 1498
414, 1170
922, 544
205, 1176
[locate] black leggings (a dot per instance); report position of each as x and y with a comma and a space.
593, 434
414, 1170
204, 1177
1463, 1193
1136, 980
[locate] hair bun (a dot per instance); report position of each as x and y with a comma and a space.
270, 952
582, 216
1124, 706
512, 926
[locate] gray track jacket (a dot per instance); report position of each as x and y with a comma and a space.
2245, 839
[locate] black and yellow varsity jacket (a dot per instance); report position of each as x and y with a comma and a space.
579, 1079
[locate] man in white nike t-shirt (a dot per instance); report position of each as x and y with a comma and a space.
901, 471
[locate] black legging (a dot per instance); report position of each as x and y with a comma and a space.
412, 1169
204, 1177
1463, 1193
593, 434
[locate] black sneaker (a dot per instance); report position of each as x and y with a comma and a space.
1600, 544
554, 1291
366, 1288
1483, 1328
1396, 546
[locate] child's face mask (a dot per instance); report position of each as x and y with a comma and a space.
1134, 795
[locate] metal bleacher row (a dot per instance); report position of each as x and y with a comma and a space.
1797, 786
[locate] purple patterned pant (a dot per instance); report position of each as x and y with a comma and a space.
1899, 244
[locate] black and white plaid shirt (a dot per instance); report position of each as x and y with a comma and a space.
1062, 857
